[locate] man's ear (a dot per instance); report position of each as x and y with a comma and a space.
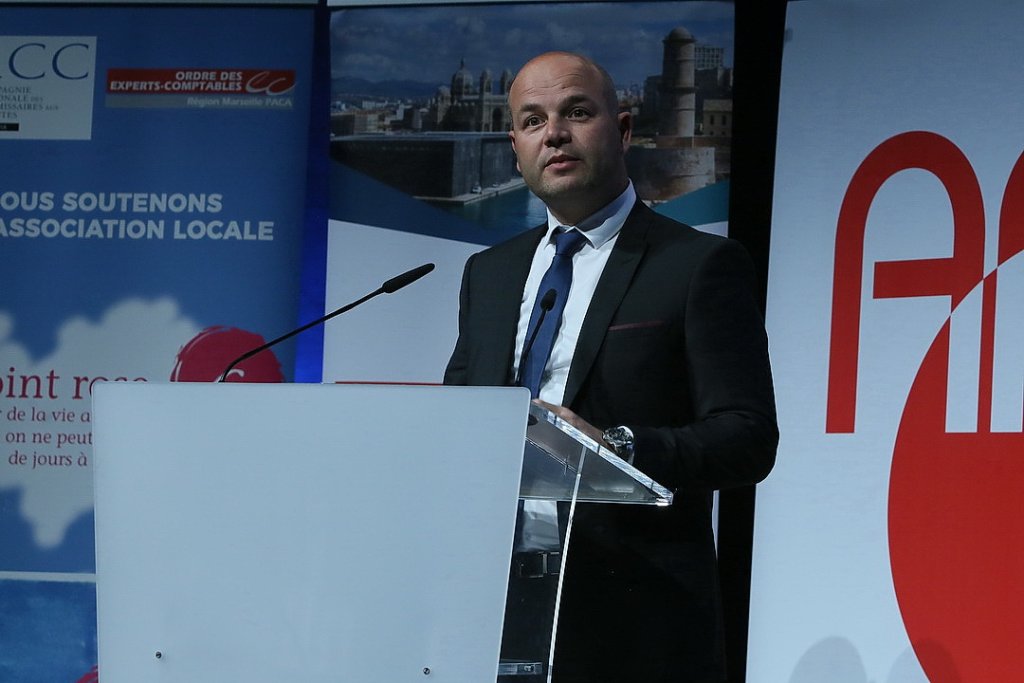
625, 127
512, 139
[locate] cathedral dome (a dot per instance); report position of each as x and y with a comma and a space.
462, 80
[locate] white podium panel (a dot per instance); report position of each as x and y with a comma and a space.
305, 533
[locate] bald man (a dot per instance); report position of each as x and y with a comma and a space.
660, 353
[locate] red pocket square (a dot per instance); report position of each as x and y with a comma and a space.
636, 326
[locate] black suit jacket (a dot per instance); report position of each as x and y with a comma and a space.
673, 345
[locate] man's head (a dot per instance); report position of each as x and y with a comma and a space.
569, 137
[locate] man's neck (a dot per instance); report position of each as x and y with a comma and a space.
572, 214
586, 219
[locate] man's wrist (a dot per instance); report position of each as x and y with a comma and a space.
621, 441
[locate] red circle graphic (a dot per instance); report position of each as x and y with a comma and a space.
956, 520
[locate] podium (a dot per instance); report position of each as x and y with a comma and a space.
331, 533
563, 467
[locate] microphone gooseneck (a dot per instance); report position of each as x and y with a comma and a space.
389, 287
546, 304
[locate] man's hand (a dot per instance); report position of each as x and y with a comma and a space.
576, 421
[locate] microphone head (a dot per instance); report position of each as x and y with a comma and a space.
406, 278
548, 301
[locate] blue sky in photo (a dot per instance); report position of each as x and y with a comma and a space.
427, 43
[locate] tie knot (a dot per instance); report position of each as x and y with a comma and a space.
568, 242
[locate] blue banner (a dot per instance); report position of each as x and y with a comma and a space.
152, 202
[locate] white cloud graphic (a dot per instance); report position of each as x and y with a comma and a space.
134, 339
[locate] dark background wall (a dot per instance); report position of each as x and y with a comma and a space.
760, 30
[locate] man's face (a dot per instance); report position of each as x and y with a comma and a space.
569, 141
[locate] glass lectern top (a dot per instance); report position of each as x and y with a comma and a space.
556, 451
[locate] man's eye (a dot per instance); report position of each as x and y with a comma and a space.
578, 113
531, 121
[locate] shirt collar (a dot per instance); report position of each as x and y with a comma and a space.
603, 225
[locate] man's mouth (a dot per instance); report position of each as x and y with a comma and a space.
561, 161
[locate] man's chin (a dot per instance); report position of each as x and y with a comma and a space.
561, 187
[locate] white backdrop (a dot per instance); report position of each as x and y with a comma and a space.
409, 335
922, 94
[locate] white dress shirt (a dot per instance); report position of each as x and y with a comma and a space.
601, 230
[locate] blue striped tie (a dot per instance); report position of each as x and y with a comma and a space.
559, 278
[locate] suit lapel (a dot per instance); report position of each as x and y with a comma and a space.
506, 296
611, 288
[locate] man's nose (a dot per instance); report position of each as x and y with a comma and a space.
556, 133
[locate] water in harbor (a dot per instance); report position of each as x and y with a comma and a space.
503, 215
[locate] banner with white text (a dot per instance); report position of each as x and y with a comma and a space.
151, 216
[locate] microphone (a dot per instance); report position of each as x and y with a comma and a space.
389, 287
547, 302
406, 278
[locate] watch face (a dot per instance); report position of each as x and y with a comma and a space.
621, 441
617, 437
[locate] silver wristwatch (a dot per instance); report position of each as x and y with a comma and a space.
621, 440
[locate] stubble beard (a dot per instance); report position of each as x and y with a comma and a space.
561, 193
573, 197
